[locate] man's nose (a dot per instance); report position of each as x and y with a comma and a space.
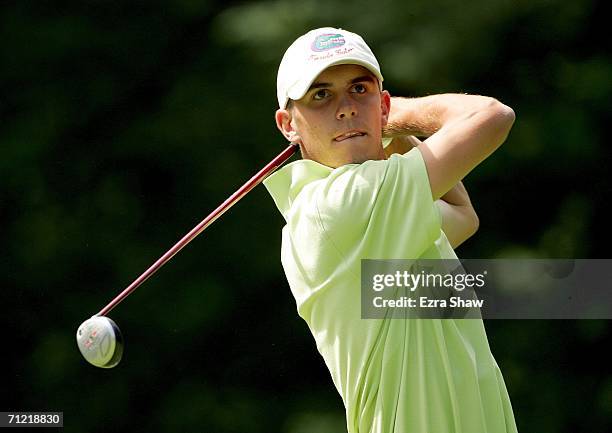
347, 108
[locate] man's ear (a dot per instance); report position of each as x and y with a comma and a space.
283, 123
385, 106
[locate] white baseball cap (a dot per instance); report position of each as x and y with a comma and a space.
317, 50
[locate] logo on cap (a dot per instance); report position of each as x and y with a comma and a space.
327, 41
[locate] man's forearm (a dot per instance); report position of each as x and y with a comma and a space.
458, 217
424, 116
457, 196
483, 120
461, 130
412, 116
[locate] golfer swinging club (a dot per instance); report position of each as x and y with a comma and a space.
350, 198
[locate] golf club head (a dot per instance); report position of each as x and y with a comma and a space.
100, 342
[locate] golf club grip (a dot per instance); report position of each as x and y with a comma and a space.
241, 192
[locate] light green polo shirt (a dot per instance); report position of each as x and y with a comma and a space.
394, 375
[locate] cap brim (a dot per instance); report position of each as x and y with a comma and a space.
299, 89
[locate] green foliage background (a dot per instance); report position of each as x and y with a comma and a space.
125, 123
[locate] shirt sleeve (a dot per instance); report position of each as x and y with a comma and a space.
380, 209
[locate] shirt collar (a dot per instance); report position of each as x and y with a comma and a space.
285, 185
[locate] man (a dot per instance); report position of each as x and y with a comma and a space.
346, 201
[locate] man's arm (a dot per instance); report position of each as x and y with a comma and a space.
462, 131
458, 217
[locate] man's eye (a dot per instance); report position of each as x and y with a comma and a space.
359, 88
321, 94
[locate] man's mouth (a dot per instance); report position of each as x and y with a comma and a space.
349, 134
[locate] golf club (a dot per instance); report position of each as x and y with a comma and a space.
99, 338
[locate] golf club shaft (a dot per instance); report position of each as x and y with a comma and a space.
241, 192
